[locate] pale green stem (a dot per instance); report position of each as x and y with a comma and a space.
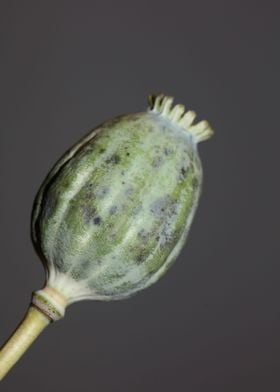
28, 330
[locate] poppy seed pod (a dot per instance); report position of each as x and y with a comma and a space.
113, 214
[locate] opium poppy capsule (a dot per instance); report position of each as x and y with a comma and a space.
114, 212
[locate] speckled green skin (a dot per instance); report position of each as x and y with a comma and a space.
115, 211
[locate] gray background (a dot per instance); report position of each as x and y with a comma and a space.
212, 323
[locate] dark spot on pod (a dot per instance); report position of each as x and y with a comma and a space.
143, 235
122, 172
97, 220
173, 209
123, 182
168, 151
129, 191
113, 210
157, 161
127, 153
113, 159
172, 239
88, 212
102, 192
160, 205
101, 150
85, 264
116, 158
183, 173
140, 258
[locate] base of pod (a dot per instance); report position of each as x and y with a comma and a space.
50, 302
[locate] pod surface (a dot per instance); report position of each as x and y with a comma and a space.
114, 212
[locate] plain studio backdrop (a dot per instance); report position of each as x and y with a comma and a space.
212, 323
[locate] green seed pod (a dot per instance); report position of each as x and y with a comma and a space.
113, 214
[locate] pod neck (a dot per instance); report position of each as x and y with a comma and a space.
50, 302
